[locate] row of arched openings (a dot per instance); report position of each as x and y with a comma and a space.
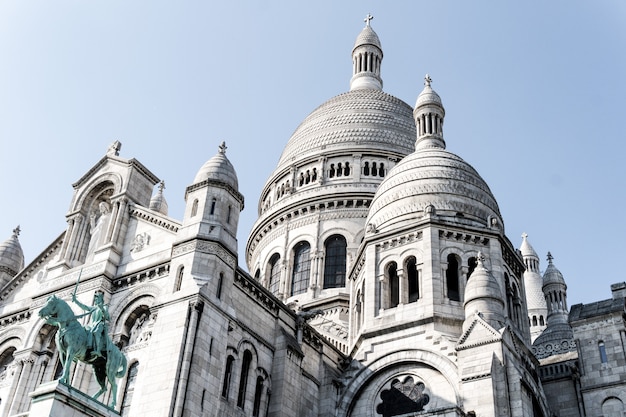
335, 249
244, 382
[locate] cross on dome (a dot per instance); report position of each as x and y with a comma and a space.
550, 257
16, 231
161, 186
222, 148
524, 235
427, 80
367, 19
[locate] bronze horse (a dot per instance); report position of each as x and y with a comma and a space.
74, 344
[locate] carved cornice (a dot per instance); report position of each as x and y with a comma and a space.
15, 318
204, 246
256, 291
155, 219
209, 182
138, 277
463, 237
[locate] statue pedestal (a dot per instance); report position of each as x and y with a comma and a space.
54, 399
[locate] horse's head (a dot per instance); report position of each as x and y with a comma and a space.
50, 310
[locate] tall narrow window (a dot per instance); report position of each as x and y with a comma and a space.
394, 284
228, 373
346, 169
274, 273
230, 209
366, 168
179, 279
243, 381
129, 389
335, 262
452, 278
213, 203
220, 282
381, 170
258, 391
194, 207
602, 350
301, 268
413, 278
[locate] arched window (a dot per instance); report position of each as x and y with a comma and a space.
366, 168
258, 391
314, 176
194, 207
346, 169
129, 389
471, 265
257, 274
602, 350
301, 268
228, 373
179, 279
339, 169
274, 273
534, 320
374, 169
243, 381
381, 170
335, 262
413, 277
391, 272
541, 321
331, 174
213, 203
452, 278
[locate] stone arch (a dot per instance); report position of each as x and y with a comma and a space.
96, 186
370, 374
133, 321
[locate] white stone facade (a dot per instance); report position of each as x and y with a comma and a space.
381, 283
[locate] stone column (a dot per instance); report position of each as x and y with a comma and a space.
20, 394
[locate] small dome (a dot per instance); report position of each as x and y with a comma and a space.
552, 274
218, 168
11, 254
433, 180
158, 202
482, 285
428, 95
367, 36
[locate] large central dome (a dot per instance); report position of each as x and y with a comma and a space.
365, 118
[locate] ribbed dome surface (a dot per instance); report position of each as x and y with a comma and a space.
428, 96
367, 37
368, 119
218, 168
11, 254
432, 176
553, 275
527, 250
158, 202
483, 285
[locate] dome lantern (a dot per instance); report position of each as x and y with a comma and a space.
367, 56
429, 114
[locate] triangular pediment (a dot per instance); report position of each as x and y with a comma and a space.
478, 333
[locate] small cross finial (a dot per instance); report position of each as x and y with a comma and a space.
550, 257
367, 19
16, 231
222, 148
161, 186
524, 235
427, 80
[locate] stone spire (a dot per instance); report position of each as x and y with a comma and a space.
158, 202
367, 56
483, 295
536, 302
11, 258
429, 114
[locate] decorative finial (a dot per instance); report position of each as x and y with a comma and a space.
114, 148
16, 231
161, 186
367, 19
427, 80
222, 148
524, 235
550, 258
480, 259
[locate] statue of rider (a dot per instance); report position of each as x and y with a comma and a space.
98, 323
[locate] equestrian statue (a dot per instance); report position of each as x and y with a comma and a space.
90, 344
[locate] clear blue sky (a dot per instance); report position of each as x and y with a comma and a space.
534, 91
